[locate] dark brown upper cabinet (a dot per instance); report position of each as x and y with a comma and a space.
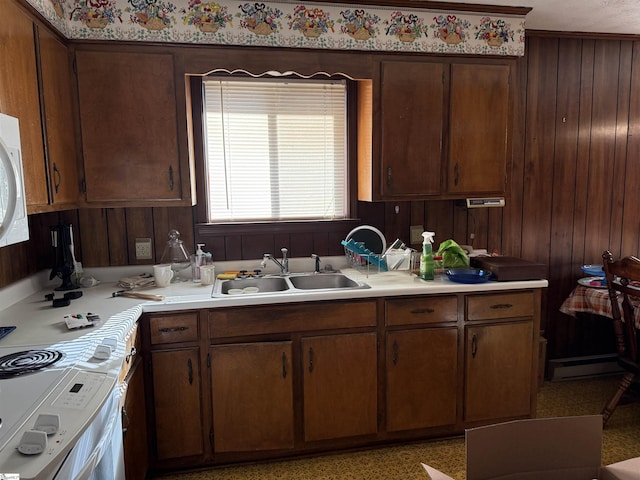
19, 96
130, 137
58, 121
478, 129
434, 130
36, 89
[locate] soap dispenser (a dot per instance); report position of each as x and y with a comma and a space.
427, 265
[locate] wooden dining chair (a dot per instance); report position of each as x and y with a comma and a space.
621, 276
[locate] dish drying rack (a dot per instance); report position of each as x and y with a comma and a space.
361, 258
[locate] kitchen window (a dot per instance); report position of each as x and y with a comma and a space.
276, 149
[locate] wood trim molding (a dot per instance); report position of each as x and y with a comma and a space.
427, 5
582, 35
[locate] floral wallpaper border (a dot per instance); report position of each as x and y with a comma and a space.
287, 24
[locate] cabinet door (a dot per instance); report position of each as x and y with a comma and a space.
129, 126
498, 371
134, 426
412, 101
422, 372
59, 121
340, 386
177, 405
478, 126
19, 96
252, 392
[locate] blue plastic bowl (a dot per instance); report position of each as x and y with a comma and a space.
594, 270
468, 275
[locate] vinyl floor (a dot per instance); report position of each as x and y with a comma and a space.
621, 440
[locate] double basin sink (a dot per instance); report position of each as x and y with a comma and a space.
286, 284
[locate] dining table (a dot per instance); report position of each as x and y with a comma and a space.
592, 299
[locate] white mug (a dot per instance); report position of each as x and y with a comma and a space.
207, 274
163, 275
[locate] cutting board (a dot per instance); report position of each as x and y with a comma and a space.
506, 269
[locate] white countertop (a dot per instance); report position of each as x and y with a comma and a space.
39, 323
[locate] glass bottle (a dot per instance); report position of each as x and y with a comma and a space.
176, 255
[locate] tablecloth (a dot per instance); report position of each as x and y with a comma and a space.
592, 300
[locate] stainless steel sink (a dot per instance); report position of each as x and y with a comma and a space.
254, 285
323, 281
276, 284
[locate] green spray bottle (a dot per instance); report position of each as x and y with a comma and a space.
427, 265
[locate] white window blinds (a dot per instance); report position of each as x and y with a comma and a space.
276, 149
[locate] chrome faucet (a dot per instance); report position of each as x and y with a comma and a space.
284, 265
317, 263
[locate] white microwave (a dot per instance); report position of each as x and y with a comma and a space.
14, 225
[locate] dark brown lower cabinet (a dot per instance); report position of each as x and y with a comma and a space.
134, 425
252, 394
498, 370
340, 386
177, 403
422, 378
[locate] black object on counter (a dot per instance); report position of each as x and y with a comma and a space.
61, 241
73, 295
506, 269
61, 302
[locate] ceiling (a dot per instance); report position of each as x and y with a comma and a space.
593, 16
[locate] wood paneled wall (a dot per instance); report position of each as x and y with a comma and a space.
576, 151
580, 164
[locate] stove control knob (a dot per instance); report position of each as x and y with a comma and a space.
112, 342
103, 352
33, 442
48, 423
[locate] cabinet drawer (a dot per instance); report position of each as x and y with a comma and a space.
174, 329
296, 317
411, 311
502, 305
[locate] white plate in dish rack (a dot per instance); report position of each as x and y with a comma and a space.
371, 237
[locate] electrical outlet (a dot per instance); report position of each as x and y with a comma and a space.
416, 234
143, 249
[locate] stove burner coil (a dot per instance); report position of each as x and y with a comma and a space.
27, 361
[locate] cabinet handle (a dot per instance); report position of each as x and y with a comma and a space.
456, 174
420, 311
173, 329
396, 350
501, 306
389, 176
131, 354
58, 177
170, 178
190, 368
125, 421
310, 359
284, 365
474, 346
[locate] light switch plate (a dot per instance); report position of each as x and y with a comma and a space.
416, 234
143, 249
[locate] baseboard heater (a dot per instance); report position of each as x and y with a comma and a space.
583, 367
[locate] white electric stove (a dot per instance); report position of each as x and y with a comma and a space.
44, 412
